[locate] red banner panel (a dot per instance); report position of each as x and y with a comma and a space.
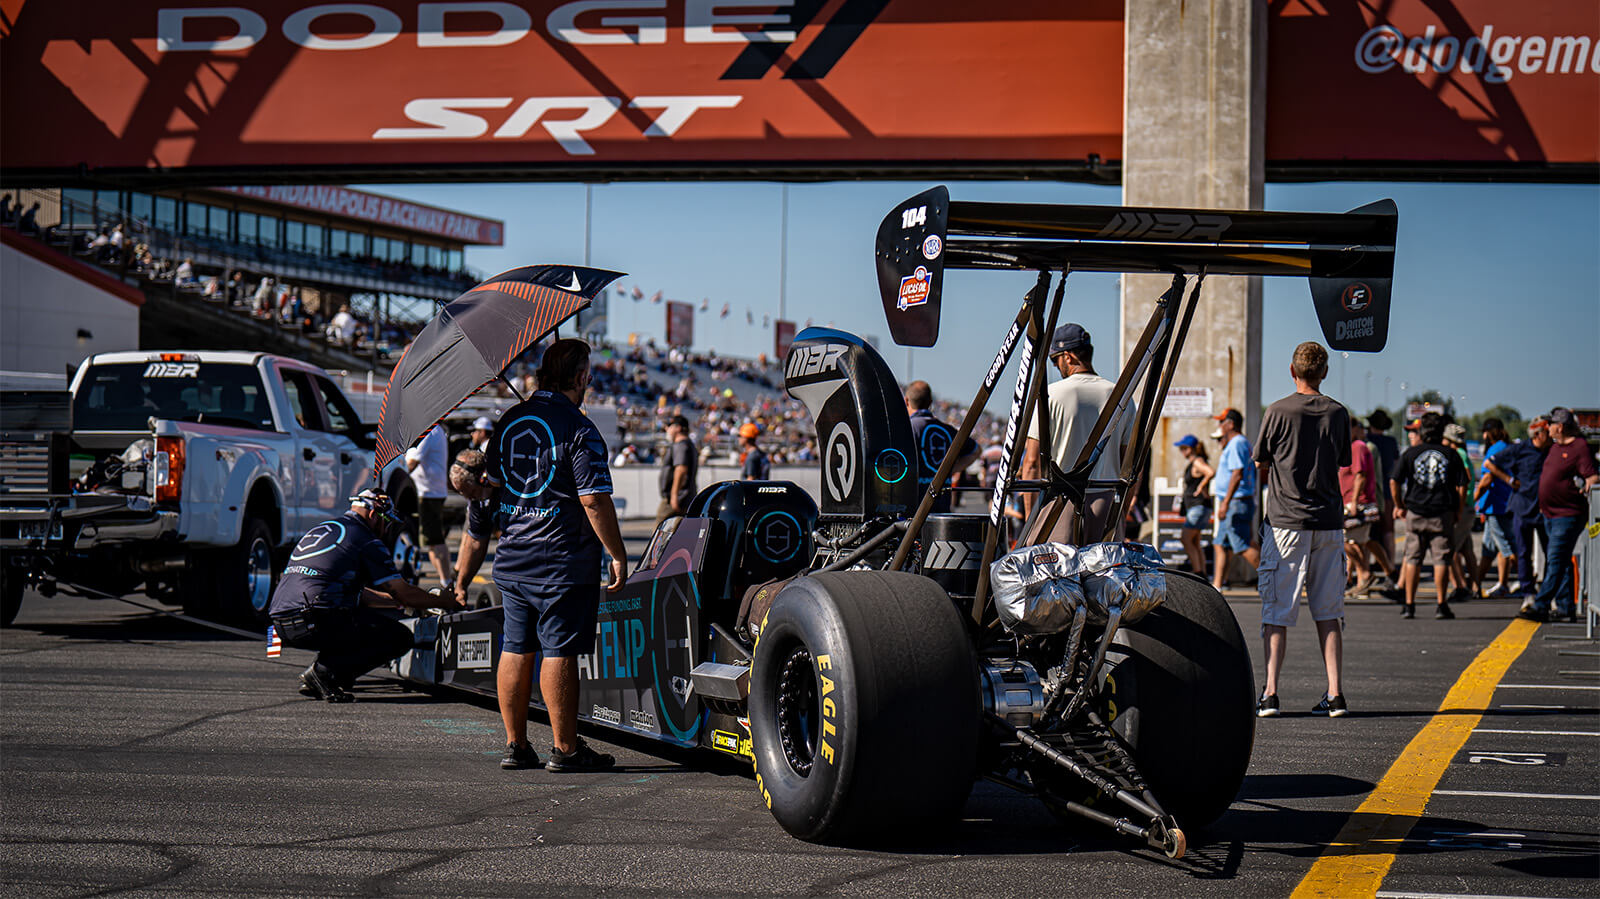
680, 323
782, 336
1467, 81
592, 83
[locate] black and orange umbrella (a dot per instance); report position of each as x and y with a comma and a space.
472, 340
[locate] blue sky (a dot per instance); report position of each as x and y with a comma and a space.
1496, 293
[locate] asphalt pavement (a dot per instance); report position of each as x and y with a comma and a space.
144, 754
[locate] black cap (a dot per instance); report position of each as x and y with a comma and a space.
1069, 338
1562, 416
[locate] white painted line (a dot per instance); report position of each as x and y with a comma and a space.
1542, 733
1508, 706
1402, 894
1548, 687
1497, 795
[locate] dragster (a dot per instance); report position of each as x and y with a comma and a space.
872, 659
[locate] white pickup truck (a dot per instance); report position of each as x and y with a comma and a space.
188, 473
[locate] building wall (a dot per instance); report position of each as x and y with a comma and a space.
45, 298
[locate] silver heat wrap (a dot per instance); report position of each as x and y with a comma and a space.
1037, 589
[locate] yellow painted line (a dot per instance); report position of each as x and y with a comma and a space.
1358, 859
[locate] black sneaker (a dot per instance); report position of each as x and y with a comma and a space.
1408, 611
1332, 706
1532, 612
579, 760
319, 683
1267, 706
1442, 611
520, 755
1459, 594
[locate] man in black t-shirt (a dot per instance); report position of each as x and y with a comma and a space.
755, 466
1428, 485
318, 602
679, 463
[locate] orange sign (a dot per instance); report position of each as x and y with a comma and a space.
590, 83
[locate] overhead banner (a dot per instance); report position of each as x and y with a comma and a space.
782, 336
680, 323
240, 84
1430, 81
382, 210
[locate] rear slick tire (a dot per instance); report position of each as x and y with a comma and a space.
1181, 688
864, 708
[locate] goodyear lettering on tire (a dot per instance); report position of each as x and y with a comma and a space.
829, 710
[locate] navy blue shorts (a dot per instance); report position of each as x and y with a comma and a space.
562, 618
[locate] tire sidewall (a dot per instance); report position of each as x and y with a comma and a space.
805, 805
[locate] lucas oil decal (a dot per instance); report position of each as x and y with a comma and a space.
914, 289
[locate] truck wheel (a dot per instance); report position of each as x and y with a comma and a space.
12, 585
245, 575
407, 550
1182, 689
864, 708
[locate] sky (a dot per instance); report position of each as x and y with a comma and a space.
1496, 294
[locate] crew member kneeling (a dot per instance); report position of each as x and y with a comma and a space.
317, 605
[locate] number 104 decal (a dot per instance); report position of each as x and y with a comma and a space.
911, 218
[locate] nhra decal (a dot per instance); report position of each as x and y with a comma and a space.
172, 370
474, 651
915, 288
932, 246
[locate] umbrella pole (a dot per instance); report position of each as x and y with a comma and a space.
514, 391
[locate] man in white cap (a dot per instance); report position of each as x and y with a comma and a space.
482, 428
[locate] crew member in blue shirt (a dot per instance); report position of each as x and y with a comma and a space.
1518, 466
550, 492
318, 604
933, 438
1492, 498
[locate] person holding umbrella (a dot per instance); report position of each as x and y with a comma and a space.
547, 472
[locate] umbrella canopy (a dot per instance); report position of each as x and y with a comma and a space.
471, 342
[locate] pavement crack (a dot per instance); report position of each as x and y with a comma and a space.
176, 728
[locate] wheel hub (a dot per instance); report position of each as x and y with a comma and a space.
797, 711
258, 571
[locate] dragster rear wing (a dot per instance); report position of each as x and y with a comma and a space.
1348, 258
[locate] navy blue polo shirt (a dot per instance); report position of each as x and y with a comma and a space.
933, 438
545, 454
1523, 461
330, 566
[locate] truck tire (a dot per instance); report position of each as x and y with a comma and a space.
12, 586
1181, 688
864, 707
407, 550
244, 576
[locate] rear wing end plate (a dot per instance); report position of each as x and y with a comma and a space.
1347, 258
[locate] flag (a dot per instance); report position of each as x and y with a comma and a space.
637, 294
808, 322
274, 643
726, 307
705, 304
656, 298
749, 317
766, 320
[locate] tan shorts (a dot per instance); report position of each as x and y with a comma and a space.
1359, 534
1428, 539
1295, 561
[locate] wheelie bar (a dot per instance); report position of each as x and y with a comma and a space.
1161, 833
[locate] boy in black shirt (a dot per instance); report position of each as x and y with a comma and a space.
1429, 485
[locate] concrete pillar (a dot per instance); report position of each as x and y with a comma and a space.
1193, 134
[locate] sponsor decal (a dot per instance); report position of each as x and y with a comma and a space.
520, 457
1350, 329
442, 118
575, 286
1356, 297
815, 359
953, 555
1165, 226
914, 289
890, 466
839, 462
642, 719
1496, 57
323, 538
474, 651
172, 370
932, 246
727, 742
777, 536
1043, 558
772, 489
609, 716
830, 711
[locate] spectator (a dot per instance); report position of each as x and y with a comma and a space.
1373, 546
237, 291
1387, 452
1358, 486
428, 463
114, 249
1519, 466
29, 223
1565, 507
8, 210
99, 245
1305, 440
1462, 559
185, 273
753, 464
678, 466
482, 427
1074, 405
1195, 501
932, 439
343, 327
1427, 486
1491, 499
1234, 488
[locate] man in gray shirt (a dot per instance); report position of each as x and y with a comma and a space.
1305, 439
679, 463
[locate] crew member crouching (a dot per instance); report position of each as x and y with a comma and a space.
335, 566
